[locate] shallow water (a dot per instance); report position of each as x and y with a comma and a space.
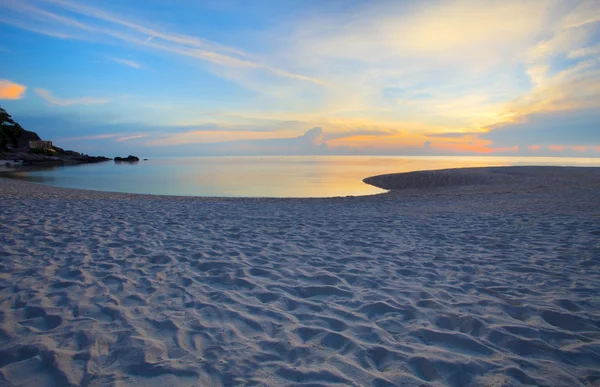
262, 176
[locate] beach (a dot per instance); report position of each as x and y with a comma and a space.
475, 277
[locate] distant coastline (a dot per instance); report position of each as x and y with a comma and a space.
28, 149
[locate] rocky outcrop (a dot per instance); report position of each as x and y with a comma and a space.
26, 137
14, 145
128, 159
70, 158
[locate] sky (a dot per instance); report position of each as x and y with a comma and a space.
226, 77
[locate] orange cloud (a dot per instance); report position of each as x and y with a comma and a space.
468, 143
579, 148
377, 141
11, 90
535, 148
557, 148
474, 145
473, 148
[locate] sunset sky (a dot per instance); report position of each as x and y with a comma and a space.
185, 77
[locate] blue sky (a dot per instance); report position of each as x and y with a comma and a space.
183, 77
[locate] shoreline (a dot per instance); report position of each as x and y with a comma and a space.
452, 181
445, 286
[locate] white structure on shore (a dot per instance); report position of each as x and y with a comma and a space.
40, 144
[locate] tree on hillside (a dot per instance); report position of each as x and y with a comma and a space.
10, 131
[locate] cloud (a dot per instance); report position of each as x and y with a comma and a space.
455, 75
356, 133
476, 146
480, 30
11, 90
222, 142
126, 62
563, 103
48, 96
546, 128
444, 63
88, 138
209, 135
579, 148
452, 134
134, 137
445, 30
117, 137
313, 138
115, 28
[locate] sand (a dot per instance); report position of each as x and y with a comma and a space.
491, 281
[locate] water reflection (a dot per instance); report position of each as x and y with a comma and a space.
273, 176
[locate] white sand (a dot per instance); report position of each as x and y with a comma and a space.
494, 284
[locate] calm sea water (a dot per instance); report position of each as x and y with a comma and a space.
272, 176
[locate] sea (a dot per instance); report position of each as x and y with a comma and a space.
262, 176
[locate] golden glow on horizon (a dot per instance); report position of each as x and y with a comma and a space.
477, 147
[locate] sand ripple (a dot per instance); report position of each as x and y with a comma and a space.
470, 290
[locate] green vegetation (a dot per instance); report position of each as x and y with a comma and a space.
10, 131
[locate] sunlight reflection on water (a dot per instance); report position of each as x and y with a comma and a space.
263, 176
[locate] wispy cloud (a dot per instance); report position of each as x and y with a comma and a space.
11, 90
206, 136
134, 137
88, 138
382, 76
48, 96
564, 70
41, 20
126, 62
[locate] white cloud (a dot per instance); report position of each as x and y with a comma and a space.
126, 62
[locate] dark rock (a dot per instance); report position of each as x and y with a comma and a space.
57, 159
128, 159
26, 137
